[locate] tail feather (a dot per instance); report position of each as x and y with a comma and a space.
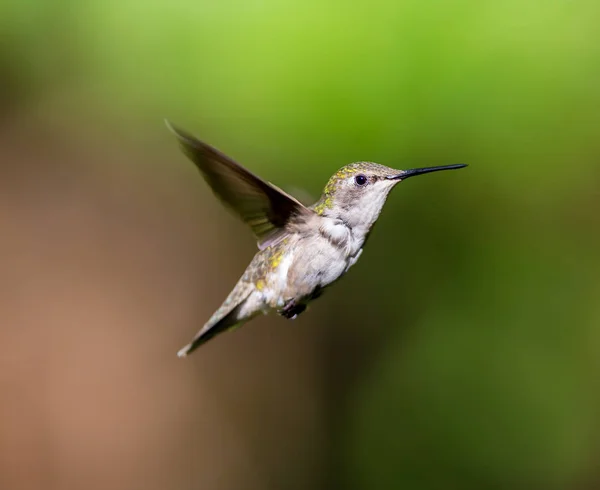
228, 316
228, 322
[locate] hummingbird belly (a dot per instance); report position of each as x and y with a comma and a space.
300, 268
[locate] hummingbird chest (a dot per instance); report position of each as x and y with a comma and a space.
300, 266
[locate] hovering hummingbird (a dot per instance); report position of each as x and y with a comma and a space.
302, 250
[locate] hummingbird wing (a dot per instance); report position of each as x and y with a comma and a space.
260, 204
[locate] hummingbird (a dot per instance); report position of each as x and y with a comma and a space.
302, 250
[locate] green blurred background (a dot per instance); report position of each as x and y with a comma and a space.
462, 352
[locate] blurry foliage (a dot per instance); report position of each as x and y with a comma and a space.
493, 382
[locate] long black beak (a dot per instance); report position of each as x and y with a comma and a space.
405, 174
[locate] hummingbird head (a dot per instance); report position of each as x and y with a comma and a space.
357, 192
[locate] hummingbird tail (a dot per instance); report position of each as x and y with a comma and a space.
228, 322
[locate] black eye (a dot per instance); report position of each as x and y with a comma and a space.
360, 179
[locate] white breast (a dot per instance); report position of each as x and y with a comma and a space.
312, 261
341, 236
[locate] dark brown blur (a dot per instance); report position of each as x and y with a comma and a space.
462, 350
107, 268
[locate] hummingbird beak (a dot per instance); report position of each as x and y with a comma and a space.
405, 174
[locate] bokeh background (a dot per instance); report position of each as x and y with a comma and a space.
461, 352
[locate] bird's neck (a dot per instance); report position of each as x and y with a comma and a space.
338, 232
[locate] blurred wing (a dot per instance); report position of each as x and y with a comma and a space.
266, 208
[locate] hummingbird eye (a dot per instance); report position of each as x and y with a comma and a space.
360, 179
